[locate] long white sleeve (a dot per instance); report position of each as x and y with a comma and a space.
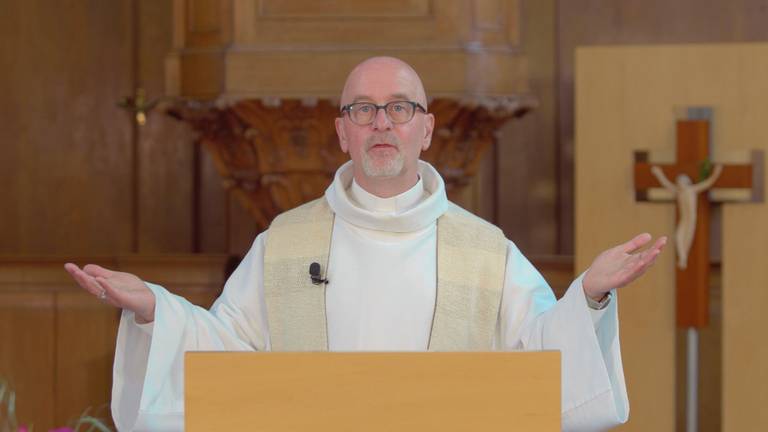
381, 297
594, 395
148, 391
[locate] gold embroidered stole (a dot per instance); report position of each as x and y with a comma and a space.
471, 259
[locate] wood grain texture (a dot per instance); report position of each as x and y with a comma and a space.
609, 129
526, 154
85, 345
213, 200
745, 275
461, 48
165, 145
58, 342
625, 99
65, 153
372, 391
27, 351
608, 22
67, 156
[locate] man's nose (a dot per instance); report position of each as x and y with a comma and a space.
381, 121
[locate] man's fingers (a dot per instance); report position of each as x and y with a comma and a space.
660, 243
636, 243
109, 293
650, 255
645, 261
86, 281
96, 271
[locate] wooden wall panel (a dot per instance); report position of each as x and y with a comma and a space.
526, 152
242, 228
86, 330
27, 351
317, 25
62, 131
166, 186
65, 148
213, 204
57, 342
626, 100
745, 238
608, 22
609, 129
462, 48
165, 145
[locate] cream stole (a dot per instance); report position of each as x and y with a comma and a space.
471, 259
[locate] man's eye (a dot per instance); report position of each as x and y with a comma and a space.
364, 108
398, 107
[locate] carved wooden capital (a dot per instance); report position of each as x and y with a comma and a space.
278, 154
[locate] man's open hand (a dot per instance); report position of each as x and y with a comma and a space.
123, 290
621, 265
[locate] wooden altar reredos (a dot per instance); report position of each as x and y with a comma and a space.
269, 74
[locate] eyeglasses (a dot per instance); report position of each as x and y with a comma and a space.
363, 113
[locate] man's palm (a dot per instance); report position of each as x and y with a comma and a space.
123, 290
621, 265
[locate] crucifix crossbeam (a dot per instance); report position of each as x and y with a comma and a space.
692, 172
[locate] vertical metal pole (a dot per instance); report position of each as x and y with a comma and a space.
692, 399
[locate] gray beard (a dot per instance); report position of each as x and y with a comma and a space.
388, 168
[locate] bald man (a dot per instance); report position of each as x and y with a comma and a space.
396, 267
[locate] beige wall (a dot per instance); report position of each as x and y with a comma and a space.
610, 22
626, 100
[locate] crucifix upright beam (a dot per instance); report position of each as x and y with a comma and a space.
693, 177
693, 160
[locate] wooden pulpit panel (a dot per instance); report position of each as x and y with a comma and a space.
372, 391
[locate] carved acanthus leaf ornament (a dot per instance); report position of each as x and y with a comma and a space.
275, 155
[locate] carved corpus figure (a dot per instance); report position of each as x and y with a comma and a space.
685, 192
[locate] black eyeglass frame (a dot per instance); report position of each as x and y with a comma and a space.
416, 106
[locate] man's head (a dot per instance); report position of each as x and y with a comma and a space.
385, 151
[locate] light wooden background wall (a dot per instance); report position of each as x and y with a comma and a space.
626, 101
78, 179
57, 342
73, 167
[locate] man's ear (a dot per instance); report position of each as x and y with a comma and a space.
341, 134
429, 127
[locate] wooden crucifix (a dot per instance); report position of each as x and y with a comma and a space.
693, 161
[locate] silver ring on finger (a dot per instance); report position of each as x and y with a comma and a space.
102, 295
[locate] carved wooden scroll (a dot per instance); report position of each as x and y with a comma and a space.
276, 156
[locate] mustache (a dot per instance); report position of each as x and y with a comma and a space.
386, 138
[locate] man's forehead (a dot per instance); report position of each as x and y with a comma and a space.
380, 79
390, 97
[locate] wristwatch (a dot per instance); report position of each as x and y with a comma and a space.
599, 305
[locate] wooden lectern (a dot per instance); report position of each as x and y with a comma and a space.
381, 391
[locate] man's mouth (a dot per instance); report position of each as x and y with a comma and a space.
382, 146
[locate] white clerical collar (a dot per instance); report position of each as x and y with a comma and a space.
415, 209
394, 205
